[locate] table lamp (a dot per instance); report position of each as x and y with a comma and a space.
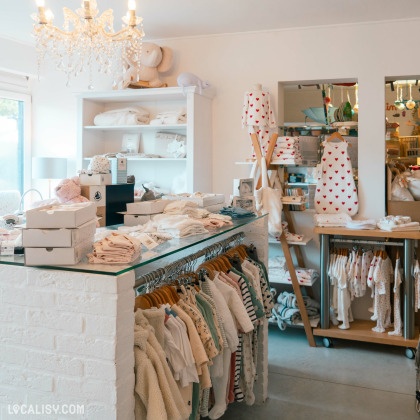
49, 168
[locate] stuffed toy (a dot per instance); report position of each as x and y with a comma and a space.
69, 191
189, 79
153, 59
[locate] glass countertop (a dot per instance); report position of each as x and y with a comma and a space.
162, 251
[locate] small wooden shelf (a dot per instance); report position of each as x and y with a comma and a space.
374, 233
137, 128
361, 330
304, 242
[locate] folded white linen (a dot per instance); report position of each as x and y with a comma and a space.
170, 117
123, 116
366, 224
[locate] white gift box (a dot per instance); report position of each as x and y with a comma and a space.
60, 216
210, 200
57, 256
95, 179
60, 238
147, 207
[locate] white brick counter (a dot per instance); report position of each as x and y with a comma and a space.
66, 338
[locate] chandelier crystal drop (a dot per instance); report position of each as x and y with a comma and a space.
88, 41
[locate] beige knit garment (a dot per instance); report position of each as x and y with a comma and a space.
174, 403
156, 318
149, 400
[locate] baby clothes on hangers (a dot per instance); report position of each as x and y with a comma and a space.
397, 300
382, 277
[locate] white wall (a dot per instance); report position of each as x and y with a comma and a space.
233, 63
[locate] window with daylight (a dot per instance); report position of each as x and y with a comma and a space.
14, 132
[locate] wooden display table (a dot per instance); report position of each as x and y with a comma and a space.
362, 330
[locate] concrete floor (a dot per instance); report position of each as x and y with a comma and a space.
352, 381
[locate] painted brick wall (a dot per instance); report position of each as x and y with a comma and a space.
67, 338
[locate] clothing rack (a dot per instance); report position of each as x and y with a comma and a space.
361, 330
177, 266
366, 242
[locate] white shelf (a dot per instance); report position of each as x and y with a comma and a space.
304, 242
151, 159
137, 128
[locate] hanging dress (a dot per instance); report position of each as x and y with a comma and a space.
336, 191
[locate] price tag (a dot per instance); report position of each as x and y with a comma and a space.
147, 241
7, 248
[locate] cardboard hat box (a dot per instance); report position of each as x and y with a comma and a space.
136, 219
57, 256
211, 200
60, 216
95, 179
60, 238
147, 207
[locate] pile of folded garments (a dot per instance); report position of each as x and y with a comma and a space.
332, 220
287, 151
179, 226
279, 273
170, 117
286, 310
189, 208
138, 231
366, 224
123, 116
398, 223
115, 249
215, 221
236, 212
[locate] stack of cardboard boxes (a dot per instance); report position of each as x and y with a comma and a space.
59, 234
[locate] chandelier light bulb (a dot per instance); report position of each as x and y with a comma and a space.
131, 4
40, 3
49, 15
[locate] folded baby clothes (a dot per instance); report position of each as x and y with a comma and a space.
170, 117
115, 249
398, 223
211, 222
366, 224
286, 310
123, 116
279, 273
179, 226
236, 212
287, 151
332, 220
189, 208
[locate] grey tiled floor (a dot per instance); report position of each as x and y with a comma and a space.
351, 381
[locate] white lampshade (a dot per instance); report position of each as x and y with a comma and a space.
49, 168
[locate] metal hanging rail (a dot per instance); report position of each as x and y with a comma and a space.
172, 268
366, 242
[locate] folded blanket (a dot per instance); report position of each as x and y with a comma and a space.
170, 117
361, 224
329, 220
123, 116
287, 140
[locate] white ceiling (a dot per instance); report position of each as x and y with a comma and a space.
175, 18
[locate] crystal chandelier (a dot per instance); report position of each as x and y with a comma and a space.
88, 41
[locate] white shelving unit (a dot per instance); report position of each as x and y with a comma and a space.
194, 170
